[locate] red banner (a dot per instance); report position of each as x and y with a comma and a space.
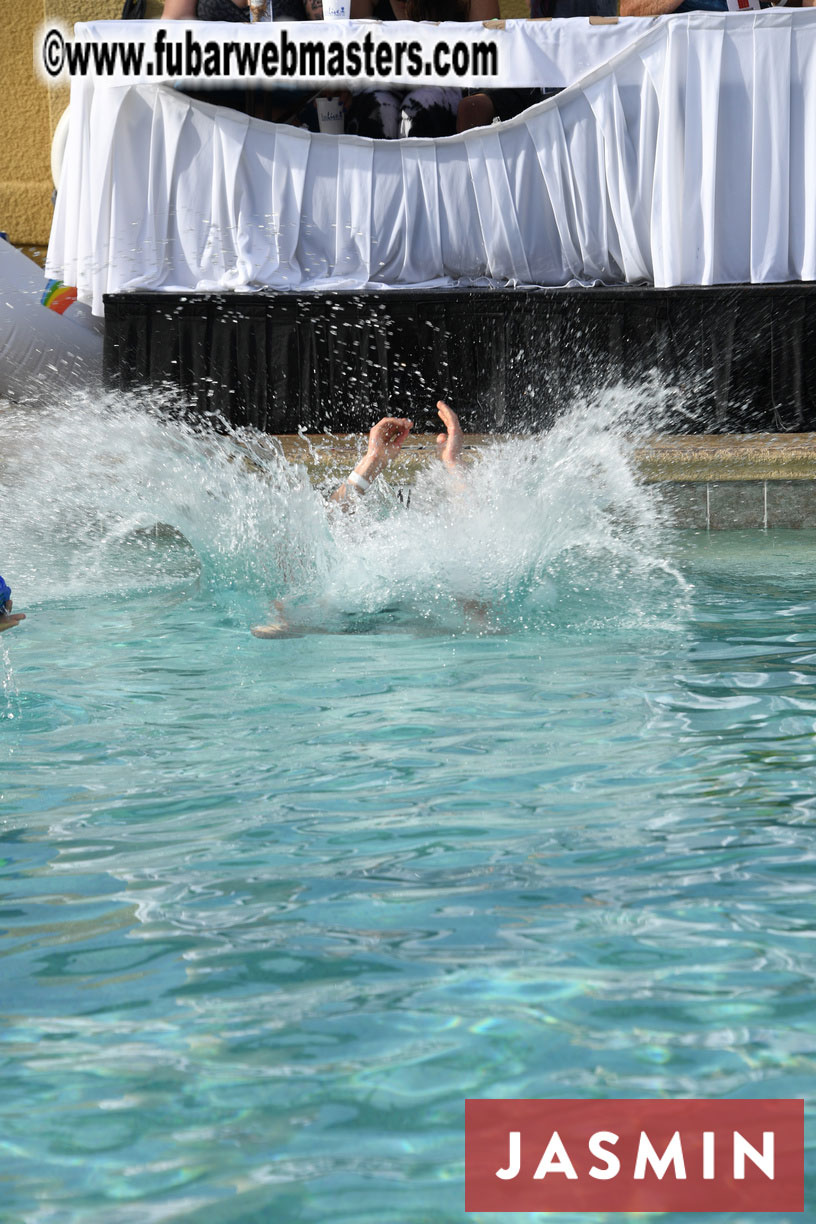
634, 1155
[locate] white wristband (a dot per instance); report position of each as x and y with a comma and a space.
359, 482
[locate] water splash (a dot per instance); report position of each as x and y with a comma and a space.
9, 689
555, 528
114, 499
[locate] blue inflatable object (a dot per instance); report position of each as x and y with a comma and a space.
5, 592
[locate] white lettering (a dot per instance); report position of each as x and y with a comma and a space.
672, 1155
708, 1155
555, 1160
763, 1160
611, 1161
514, 1161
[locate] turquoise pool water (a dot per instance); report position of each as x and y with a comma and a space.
272, 910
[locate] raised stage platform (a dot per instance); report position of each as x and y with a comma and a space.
741, 358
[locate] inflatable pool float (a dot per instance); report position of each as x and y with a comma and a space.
49, 342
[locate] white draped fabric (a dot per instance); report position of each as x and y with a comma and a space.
689, 158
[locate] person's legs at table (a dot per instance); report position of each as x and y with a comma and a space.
430, 111
375, 113
480, 108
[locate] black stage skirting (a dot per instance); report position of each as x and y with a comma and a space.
741, 358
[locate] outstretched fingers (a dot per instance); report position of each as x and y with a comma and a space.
390, 433
398, 428
449, 418
450, 443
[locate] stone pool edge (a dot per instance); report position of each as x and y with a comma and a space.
710, 482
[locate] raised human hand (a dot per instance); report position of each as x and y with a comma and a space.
384, 442
451, 442
387, 436
8, 619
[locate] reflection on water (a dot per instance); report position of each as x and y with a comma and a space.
274, 909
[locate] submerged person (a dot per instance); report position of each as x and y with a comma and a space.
385, 441
7, 619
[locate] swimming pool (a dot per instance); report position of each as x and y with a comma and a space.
274, 909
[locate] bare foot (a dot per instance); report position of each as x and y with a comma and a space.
271, 631
277, 627
449, 444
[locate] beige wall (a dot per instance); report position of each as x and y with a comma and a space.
30, 111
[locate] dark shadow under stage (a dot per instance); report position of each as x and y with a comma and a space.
742, 358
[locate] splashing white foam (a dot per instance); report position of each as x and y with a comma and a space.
554, 521
91, 483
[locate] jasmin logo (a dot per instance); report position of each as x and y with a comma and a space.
634, 1155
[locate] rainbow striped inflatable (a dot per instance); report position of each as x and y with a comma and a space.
58, 297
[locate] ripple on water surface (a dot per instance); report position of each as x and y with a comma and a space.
274, 909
